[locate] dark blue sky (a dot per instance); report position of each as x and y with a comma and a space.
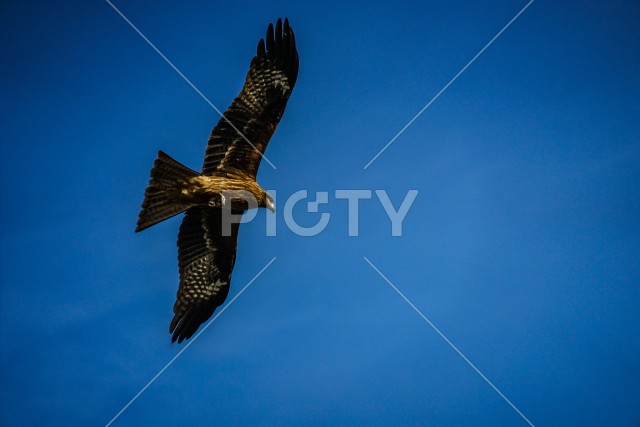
522, 246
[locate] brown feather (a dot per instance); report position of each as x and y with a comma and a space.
258, 108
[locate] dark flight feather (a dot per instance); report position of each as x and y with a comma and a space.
166, 175
258, 108
205, 260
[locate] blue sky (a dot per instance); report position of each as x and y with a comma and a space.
522, 246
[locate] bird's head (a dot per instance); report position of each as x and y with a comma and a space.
269, 203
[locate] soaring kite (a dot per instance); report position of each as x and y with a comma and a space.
206, 255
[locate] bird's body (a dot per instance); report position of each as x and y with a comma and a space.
214, 191
206, 254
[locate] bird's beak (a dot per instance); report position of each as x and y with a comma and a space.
271, 205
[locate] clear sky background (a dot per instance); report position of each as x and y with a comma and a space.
522, 246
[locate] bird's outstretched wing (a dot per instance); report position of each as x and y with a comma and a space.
238, 141
205, 256
205, 259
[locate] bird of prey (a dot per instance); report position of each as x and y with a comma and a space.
206, 255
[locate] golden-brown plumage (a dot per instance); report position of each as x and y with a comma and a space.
207, 191
205, 256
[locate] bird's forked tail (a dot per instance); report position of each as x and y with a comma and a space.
167, 175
